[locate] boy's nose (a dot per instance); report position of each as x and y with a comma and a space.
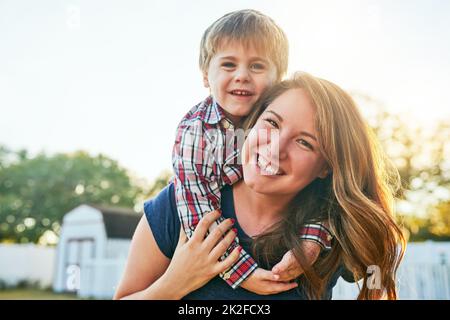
242, 75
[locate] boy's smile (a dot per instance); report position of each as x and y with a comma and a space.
237, 76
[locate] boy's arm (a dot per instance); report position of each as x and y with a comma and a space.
317, 232
197, 192
316, 237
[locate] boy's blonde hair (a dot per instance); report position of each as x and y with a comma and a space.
248, 27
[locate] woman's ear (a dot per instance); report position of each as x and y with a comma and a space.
205, 80
324, 173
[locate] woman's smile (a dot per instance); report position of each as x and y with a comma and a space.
268, 167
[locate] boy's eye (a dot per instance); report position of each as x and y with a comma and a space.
271, 122
228, 65
305, 143
258, 66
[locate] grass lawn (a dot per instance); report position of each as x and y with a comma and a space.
34, 294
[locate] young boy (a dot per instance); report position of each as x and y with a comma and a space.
241, 55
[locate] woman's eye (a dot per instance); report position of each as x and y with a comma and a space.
271, 122
305, 143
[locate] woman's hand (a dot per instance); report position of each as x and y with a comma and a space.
265, 282
196, 261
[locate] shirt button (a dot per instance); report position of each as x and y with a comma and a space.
227, 124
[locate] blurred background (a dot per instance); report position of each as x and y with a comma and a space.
91, 93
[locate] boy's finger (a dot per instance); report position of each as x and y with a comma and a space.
280, 267
283, 286
288, 275
287, 262
267, 275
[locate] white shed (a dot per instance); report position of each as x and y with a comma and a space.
92, 249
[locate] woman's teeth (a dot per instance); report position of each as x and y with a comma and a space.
264, 165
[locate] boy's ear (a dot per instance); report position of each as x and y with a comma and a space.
205, 80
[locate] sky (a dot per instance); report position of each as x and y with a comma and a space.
116, 77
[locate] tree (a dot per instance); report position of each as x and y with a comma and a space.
440, 220
422, 156
36, 192
417, 151
160, 182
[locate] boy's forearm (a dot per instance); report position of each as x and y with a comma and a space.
317, 232
205, 197
190, 212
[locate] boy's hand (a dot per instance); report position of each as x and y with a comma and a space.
288, 268
264, 282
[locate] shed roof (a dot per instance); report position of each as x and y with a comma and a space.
119, 222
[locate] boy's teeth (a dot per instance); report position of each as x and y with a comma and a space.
241, 93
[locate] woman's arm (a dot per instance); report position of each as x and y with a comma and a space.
145, 264
151, 275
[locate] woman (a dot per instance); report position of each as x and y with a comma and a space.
328, 167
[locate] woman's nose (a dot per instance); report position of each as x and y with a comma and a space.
280, 143
274, 144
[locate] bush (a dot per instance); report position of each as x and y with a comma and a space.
28, 284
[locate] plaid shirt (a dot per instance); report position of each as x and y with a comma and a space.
203, 164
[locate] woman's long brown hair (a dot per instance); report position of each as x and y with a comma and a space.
357, 198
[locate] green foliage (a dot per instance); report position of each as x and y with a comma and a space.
421, 154
160, 182
434, 226
36, 192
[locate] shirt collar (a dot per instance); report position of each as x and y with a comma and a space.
213, 111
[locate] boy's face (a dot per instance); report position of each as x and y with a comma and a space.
237, 76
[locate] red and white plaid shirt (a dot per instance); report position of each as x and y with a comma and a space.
203, 164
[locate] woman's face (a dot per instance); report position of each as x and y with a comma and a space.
281, 153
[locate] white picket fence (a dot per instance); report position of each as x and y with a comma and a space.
424, 273
99, 278
418, 281
26, 262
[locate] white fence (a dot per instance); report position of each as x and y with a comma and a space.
424, 273
99, 278
26, 262
419, 281
415, 281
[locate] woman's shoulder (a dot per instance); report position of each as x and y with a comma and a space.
162, 217
164, 199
